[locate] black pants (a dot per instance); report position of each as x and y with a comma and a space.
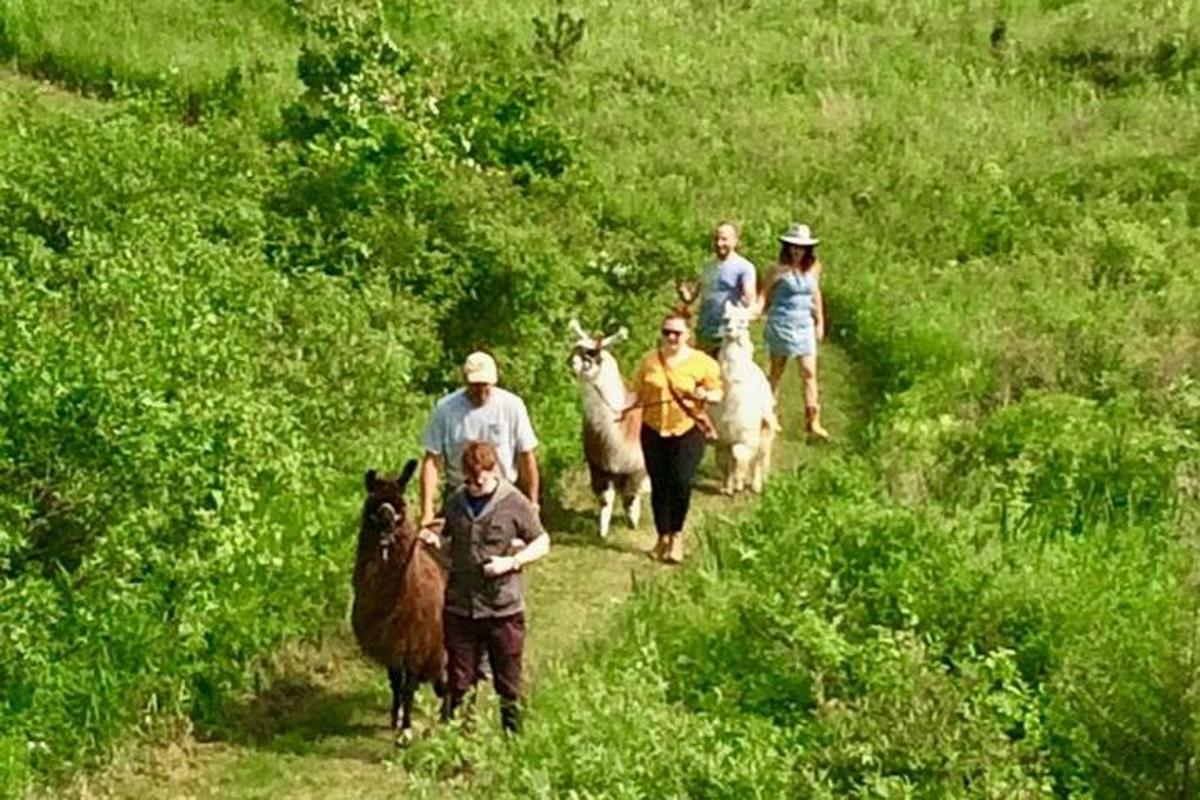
671, 462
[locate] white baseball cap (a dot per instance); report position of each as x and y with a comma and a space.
480, 368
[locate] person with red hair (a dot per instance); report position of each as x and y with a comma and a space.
491, 532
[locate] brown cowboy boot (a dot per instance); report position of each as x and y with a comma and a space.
812, 422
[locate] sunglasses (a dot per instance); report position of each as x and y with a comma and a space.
670, 332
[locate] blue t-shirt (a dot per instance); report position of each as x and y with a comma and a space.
722, 282
502, 420
477, 502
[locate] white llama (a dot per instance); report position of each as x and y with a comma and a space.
611, 434
745, 418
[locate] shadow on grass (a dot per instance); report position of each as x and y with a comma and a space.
301, 717
581, 526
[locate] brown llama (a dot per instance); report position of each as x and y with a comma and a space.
399, 592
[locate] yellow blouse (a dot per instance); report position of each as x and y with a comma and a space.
659, 409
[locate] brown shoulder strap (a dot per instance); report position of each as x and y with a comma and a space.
675, 395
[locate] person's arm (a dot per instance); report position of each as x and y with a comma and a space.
437, 537
433, 440
764, 296
538, 548
429, 485
819, 312
749, 286
525, 442
502, 565
709, 387
528, 477
532, 535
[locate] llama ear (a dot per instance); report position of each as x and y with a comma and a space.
577, 329
406, 474
369, 479
619, 336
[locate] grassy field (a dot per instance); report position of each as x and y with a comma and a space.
321, 730
268, 231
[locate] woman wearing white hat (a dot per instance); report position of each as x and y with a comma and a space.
796, 317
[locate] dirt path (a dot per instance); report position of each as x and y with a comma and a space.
320, 732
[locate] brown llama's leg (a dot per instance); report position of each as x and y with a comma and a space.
397, 681
408, 692
403, 688
442, 691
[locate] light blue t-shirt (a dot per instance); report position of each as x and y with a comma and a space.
722, 282
502, 420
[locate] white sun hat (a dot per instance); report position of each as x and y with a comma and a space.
480, 368
799, 234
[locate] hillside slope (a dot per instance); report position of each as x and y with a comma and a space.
321, 731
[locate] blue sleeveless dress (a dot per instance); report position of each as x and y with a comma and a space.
791, 328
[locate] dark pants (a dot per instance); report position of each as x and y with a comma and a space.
503, 640
671, 463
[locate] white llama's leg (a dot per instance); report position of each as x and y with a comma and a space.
635, 504
762, 464
725, 467
741, 455
608, 499
633, 508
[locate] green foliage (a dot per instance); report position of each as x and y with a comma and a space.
232, 62
154, 534
557, 39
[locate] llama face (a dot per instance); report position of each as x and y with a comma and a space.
586, 361
735, 325
384, 509
589, 354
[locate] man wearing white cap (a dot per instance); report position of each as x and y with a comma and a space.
480, 411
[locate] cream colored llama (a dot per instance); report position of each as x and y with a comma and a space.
611, 433
745, 418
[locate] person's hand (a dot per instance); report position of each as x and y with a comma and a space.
700, 393
820, 333
430, 538
499, 565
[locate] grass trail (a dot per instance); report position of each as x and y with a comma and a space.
321, 732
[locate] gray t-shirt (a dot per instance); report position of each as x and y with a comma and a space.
722, 282
474, 538
502, 420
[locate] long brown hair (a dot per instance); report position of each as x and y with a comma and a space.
808, 257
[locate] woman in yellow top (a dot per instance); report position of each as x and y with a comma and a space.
672, 384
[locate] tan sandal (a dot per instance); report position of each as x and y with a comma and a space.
675, 555
659, 551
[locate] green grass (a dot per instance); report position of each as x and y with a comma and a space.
322, 731
241, 54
